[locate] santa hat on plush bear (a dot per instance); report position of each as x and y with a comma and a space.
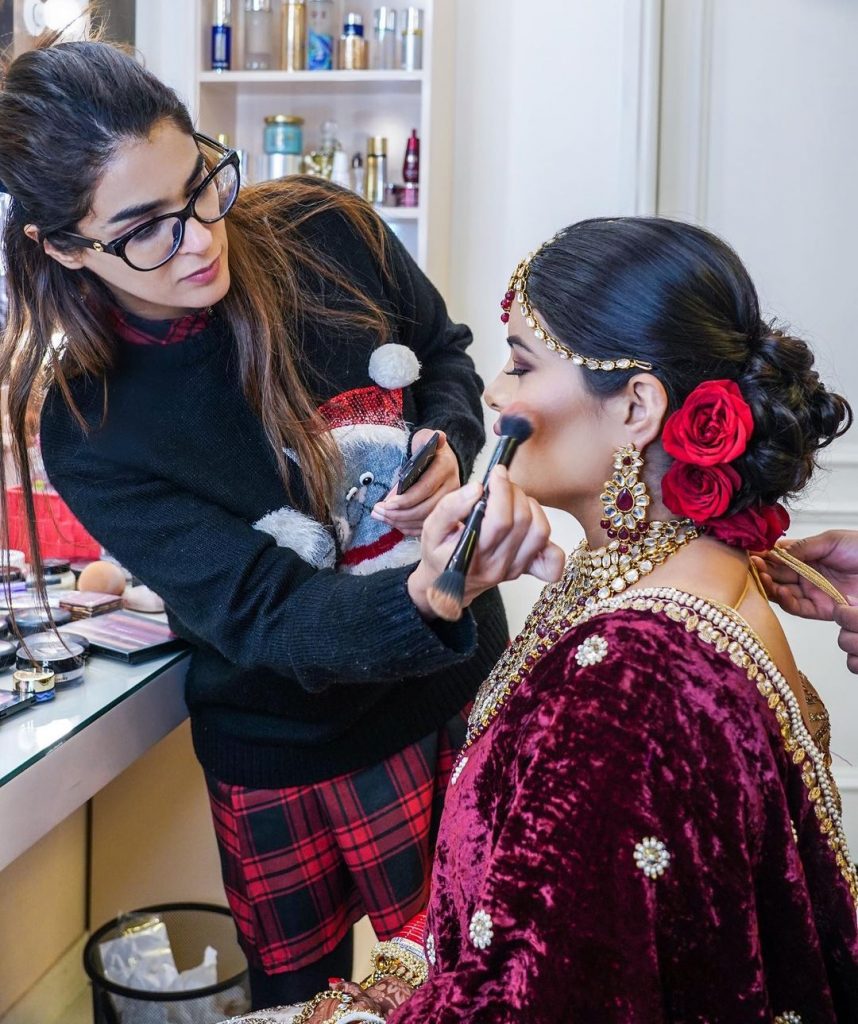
374, 414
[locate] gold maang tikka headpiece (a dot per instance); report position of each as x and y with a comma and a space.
517, 292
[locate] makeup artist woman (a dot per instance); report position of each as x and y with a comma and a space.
197, 420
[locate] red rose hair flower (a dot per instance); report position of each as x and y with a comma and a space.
757, 528
699, 492
712, 426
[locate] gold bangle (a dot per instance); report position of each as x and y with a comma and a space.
390, 959
306, 1011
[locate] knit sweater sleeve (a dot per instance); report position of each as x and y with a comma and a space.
449, 391
261, 606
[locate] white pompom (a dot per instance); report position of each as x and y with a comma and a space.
394, 366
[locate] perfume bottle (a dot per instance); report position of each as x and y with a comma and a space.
320, 35
357, 174
221, 35
353, 56
293, 22
257, 35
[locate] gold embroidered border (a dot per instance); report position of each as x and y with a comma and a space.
728, 632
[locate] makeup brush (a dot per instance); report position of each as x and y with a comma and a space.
446, 594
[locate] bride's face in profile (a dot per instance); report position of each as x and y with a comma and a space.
568, 458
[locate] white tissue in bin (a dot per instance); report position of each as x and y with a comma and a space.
143, 960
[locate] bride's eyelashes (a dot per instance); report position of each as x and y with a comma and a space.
516, 371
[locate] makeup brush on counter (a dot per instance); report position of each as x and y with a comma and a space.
446, 594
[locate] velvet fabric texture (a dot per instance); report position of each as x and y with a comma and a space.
539, 911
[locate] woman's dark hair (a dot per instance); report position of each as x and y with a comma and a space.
65, 107
678, 297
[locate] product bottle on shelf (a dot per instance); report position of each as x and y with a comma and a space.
412, 39
376, 169
320, 35
293, 35
340, 172
411, 171
258, 24
383, 44
353, 55
221, 35
358, 174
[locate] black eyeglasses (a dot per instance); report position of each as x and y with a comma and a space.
151, 244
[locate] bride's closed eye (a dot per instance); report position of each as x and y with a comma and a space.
516, 371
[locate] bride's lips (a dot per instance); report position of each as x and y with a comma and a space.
206, 274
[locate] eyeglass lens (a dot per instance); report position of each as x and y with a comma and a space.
156, 243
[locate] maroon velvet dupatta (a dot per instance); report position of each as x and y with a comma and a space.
643, 835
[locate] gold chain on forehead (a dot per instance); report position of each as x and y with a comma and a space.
517, 292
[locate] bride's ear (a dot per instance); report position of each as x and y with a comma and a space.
70, 260
645, 405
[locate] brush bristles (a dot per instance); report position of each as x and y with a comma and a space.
446, 595
517, 426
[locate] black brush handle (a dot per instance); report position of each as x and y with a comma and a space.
463, 553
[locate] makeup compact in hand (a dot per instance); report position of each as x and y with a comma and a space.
12, 702
417, 464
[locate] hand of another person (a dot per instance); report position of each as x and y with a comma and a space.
407, 512
387, 994
515, 539
834, 554
360, 1001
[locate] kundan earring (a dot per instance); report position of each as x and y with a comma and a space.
625, 498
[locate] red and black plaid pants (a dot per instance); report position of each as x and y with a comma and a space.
301, 865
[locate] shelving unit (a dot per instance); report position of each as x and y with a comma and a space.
363, 103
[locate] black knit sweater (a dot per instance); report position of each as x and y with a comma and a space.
297, 674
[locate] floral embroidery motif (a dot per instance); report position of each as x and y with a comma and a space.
790, 1017
459, 768
430, 948
481, 929
592, 650
652, 857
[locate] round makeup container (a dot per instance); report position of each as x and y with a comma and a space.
34, 619
50, 653
35, 681
56, 575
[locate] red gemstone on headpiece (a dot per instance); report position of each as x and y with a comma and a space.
510, 295
506, 304
612, 534
623, 549
627, 461
625, 500
504, 318
605, 524
623, 533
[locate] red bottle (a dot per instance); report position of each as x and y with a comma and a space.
411, 171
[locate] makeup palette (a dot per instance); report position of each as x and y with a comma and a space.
51, 653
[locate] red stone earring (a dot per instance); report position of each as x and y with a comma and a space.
625, 499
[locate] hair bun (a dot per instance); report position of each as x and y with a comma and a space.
794, 415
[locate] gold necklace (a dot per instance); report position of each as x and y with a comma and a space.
591, 575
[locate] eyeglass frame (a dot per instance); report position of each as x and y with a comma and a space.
117, 246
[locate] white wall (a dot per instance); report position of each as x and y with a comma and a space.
548, 100
759, 106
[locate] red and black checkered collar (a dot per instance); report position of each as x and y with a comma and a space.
137, 331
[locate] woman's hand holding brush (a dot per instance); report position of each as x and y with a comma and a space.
514, 539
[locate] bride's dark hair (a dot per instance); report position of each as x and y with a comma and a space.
680, 298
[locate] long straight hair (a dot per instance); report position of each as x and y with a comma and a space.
65, 108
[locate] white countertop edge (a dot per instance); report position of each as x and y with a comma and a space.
65, 777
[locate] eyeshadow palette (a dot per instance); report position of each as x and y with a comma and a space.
128, 637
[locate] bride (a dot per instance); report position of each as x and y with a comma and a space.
642, 826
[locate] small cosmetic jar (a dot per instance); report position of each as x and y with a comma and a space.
60, 656
35, 681
34, 619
